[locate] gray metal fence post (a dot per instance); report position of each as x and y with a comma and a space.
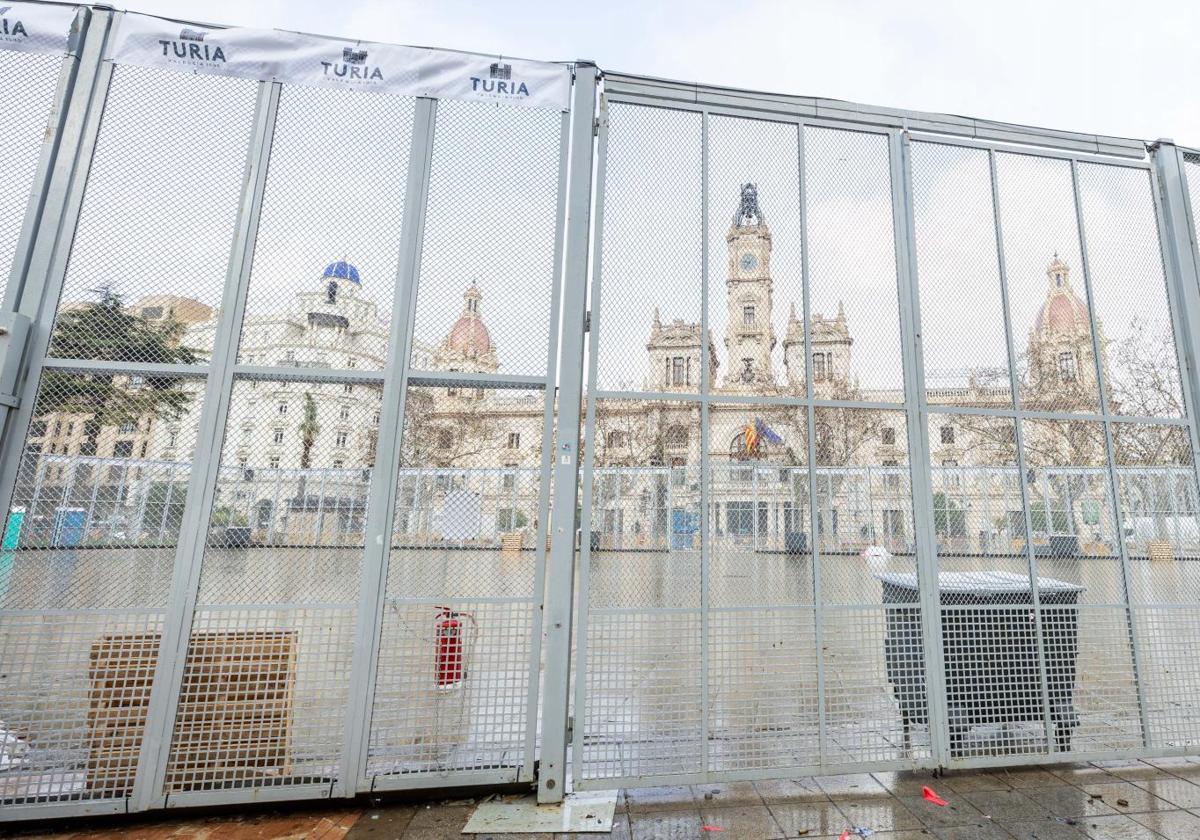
382, 493
916, 412
560, 571
150, 782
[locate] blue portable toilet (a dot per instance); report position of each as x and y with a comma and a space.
68, 527
684, 525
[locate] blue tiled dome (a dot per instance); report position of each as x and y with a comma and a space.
343, 271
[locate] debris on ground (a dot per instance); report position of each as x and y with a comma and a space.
711, 828
1124, 803
12, 749
930, 796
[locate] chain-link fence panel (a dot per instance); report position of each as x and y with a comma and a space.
455, 661
265, 683
966, 355
854, 310
32, 79
88, 553
151, 248
325, 262
652, 238
485, 291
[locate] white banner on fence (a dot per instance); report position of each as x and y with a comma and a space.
35, 28
305, 59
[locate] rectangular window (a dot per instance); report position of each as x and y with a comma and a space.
273, 462
819, 372
893, 524
888, 436
123, 449
678, 371
1066, 366
344, 414
282, 409
172, 438
128, 427
338, 463
278, 436
339, 440
748, 315
947, 434
739, 518
514, 440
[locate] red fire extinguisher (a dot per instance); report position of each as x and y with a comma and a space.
450, 647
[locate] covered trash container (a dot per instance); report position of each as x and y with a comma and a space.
990, 649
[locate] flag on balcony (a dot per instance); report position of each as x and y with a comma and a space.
756, 432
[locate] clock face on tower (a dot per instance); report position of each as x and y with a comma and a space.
748, 262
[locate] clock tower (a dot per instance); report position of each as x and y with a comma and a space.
749, 334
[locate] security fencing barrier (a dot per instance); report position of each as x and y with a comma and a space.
861, 439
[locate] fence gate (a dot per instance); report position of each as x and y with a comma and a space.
279, 477
851, 387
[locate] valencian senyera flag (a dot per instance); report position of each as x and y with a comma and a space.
756, 432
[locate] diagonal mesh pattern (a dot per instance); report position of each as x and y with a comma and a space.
265, 682
453, 673
162, 263
652, 217
33, 78
1047, 295
321, 294
88, 552
854, 304
965, 347
756, 292
487, 258
1132, 315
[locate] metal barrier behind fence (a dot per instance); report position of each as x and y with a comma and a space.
303, 372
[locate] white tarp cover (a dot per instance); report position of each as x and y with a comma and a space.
32, 27
289, 57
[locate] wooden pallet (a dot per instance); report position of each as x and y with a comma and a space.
1161, 550
234, 715
511, 543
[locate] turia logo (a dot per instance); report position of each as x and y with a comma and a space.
191, 46
11, 28
353, 67
499, 82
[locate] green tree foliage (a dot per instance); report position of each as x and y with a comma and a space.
104, 330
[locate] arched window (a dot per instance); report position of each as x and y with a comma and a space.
331, 292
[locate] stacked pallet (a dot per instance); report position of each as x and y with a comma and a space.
511, 543
1161, 550
233, 722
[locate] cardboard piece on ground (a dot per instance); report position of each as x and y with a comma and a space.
586, 811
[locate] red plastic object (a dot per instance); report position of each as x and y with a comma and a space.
930, 796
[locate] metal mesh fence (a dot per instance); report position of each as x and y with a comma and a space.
88, 552
265, 683
32, 79
454, 664
487, 257
156, 266
325, 261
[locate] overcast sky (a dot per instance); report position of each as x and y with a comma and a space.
1121, 68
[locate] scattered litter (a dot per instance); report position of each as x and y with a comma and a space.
712, 828
1124, 803
12, 749
845, 835
803, 831
708, 794
863, 831
374, 816
1067, 820
930, 796
1099, 796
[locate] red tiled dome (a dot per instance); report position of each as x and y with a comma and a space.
1063, 312
469, 336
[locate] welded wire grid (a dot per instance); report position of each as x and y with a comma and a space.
854, 307
452, 684
88, 551
487, 256
266, 678
158, 215
755, 282
652, 240
643, 709
31, 79
965, 347
324, 273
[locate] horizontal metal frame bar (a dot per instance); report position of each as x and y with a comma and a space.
270, 607
461, 599
740, 399
1071, 757
445, 779
624, 87
134, 368
1002, 147
490, 381
61, 810
238, 796
299, 374
791, 772
1091, 417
